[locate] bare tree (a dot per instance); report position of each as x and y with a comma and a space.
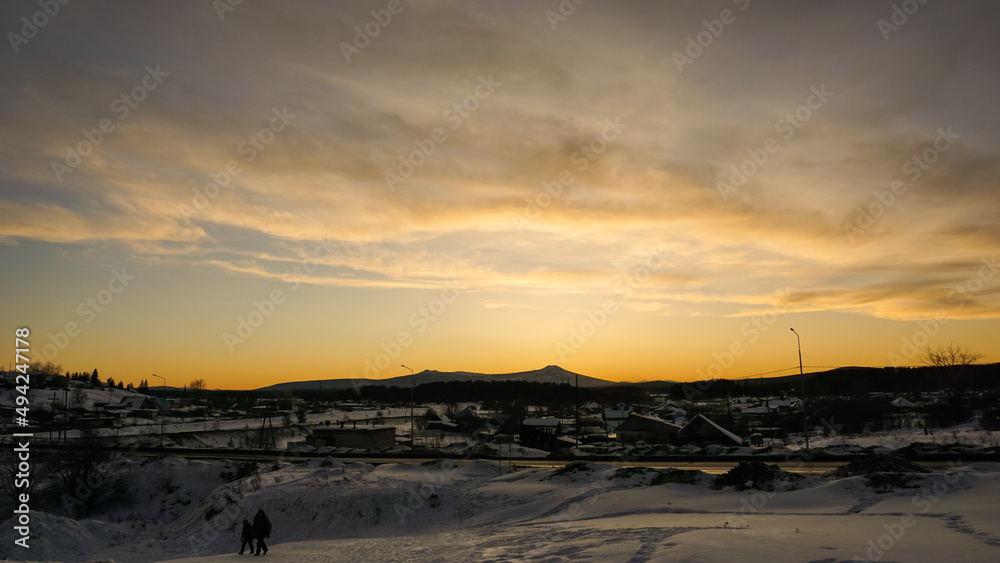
948, 355
87, 476
198, 385
78, 396
48, 368
953, 361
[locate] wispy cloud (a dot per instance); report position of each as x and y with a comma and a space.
322, 178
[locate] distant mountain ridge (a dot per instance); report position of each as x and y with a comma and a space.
547, 374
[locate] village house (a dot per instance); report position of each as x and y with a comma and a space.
703, 431
614, 416
645, 428
540, 433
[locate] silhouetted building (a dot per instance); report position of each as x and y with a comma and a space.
701, 430
362, 437
644, 428
540, 432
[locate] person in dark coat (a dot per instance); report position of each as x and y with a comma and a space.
261, 529
247, 537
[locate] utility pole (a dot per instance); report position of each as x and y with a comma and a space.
805, 424
164, 411
577, 407
413, 438
65, 423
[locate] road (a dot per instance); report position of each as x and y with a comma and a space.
708, 466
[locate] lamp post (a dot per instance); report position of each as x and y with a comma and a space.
164, 406
413, 439
805, 424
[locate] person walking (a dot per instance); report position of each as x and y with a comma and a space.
247, 536
261, 529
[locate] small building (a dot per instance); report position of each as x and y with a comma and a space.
443, 423
902, 403
91, 422
138, 406
701, 430
613, 416
540, 432
136, 402
645, 428
362, 437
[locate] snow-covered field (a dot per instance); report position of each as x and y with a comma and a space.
327, 511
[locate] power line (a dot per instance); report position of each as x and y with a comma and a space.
780, 370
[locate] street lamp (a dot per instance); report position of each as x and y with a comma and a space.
164, 406
413, 439
805, 425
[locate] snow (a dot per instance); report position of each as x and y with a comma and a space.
447, 510
474, 510
966, 435
540, 422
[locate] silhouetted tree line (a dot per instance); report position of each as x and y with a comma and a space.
843, 396
851, 382
491, 393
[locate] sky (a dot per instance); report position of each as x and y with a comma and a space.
273, 192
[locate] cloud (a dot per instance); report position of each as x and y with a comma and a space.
653, 185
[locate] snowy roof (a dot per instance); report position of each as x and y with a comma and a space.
133, 403
641, 422
901, 403
540, 422
439, 424
702, 420
351, 429
618, 411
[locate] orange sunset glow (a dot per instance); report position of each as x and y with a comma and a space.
273, 192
